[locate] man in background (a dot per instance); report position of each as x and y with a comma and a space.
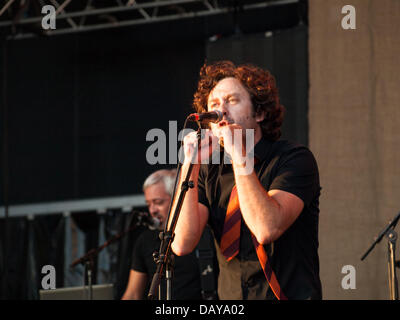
186, 282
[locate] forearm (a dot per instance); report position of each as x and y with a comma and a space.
131, 296
136, 286
188, 226
260, 211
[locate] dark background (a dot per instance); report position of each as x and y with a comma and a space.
76, 109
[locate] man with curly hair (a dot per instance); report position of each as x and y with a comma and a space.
265, 222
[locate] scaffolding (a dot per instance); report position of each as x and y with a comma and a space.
23, 18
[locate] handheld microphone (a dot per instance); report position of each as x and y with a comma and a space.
155, 223
206, 117
145, 219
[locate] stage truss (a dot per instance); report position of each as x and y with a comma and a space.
23, 18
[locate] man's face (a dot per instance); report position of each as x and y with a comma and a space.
231, 98
157, 200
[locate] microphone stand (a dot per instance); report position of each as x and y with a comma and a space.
164, 258
391, 236
88, 271
88, 258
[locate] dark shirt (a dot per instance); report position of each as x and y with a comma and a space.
186, 275
294, 256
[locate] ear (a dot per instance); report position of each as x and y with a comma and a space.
260, 115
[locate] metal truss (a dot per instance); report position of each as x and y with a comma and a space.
125, 203
23, 18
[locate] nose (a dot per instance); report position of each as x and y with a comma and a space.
152, 209
223, 108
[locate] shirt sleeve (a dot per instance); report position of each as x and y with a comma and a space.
297, 173
202, 187
138, 261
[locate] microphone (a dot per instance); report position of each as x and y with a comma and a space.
145, 219
155, 223
206, 117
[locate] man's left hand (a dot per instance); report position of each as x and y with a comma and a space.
232, 139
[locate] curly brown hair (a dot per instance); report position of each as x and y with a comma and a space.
260, 85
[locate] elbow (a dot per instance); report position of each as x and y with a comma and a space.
263, 239
180, 249
266, 237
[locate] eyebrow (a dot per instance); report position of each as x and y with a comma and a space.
155, 199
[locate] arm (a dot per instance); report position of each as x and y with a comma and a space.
267, 214
192, 218
194, 215
136, 286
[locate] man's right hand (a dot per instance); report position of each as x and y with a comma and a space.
208, 144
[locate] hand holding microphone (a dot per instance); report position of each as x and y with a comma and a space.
224, 131
208, 142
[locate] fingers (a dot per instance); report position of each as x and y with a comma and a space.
206, 136
208, 144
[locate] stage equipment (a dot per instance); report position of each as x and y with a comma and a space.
391, 236
140, 219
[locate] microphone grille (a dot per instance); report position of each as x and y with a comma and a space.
220, 115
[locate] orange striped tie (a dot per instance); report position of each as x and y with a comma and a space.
231, 232
230, 243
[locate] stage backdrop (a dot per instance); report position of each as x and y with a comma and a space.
354, 117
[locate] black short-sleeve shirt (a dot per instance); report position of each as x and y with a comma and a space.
294, 256
186, 283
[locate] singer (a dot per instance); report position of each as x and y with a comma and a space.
265, 222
